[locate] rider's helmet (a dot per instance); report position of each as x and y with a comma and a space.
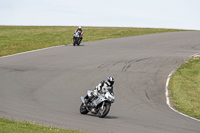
110, 81
79, 28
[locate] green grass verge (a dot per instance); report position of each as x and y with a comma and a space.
184, 87
16, 39
9, 126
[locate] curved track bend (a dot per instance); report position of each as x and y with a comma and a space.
45, 86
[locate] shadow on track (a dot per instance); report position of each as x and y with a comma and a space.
107, 117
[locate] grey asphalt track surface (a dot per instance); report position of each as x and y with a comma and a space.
45, 86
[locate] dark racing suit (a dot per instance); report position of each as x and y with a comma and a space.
81, 33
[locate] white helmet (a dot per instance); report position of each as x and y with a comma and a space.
79, 27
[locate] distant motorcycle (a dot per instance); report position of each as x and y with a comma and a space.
77, 38
99, 105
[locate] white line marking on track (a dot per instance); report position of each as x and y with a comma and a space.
31, 51
167, 94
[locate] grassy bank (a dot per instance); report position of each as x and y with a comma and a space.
16, 39
9, 126
184, 87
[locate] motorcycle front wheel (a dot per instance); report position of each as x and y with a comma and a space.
83, 109
74, 41
104, 111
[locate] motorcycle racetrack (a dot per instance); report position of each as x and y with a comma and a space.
45, 86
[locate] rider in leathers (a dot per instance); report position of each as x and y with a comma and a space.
102, 87
79, 29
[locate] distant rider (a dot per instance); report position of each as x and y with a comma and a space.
102, 87
79, 29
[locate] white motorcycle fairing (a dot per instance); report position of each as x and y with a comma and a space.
99, 105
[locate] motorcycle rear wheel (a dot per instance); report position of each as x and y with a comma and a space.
78, 42
83, 109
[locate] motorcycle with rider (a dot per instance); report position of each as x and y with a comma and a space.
100, 99
77, 36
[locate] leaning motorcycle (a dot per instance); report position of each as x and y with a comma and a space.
99, 105
77, 38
